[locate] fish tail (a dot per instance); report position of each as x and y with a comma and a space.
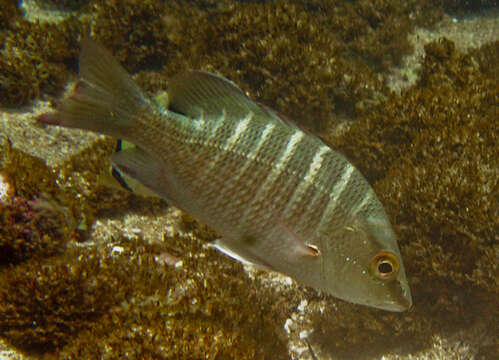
105, 99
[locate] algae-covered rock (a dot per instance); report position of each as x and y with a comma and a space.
9, 13
58, 301
33, 222
432, 155
44, 303
62, 4
196, 306
35, 59
311, 59
276, 50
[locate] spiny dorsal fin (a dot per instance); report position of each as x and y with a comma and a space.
199, 92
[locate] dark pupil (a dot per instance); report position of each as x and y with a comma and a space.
385, 267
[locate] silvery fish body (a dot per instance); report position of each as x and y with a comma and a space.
279, 197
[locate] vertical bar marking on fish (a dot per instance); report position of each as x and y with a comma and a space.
307, 181
335, 194
277, 169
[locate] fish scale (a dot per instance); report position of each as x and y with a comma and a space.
233, 161
280, 198
251, 213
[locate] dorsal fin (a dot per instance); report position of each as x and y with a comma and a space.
197, 93
284, 119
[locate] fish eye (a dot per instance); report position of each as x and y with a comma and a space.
385, 265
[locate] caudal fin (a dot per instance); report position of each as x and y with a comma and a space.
105, 99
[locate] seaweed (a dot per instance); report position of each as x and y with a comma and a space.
43, 303
276, 51
32, 222
36, 59
184, 312
62, 4
467, 5
29, 228
132, 302
9, 12
59, 301
431, 154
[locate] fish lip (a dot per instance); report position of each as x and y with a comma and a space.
392, 307
403, 304
395, 307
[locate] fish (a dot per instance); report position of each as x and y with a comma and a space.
116, 179
280, 198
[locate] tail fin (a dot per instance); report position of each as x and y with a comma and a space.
105, 99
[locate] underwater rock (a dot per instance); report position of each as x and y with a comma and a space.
432, 154
62, 4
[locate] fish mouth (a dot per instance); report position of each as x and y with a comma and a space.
395, 306
402, 303
400, 300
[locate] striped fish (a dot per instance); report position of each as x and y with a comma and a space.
280, 198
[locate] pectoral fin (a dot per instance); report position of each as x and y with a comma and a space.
298, 245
